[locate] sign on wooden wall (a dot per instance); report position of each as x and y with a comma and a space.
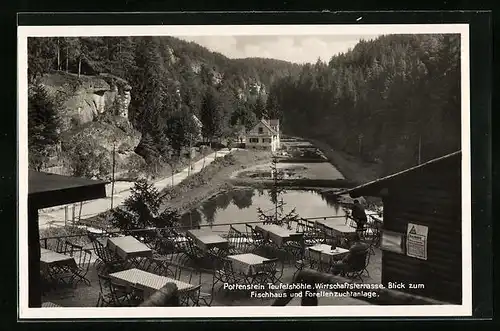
416, 241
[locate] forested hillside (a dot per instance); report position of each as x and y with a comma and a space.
394, 100
170, 80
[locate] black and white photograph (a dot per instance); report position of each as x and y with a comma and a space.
244, 171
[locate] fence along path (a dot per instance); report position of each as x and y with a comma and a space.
58, 216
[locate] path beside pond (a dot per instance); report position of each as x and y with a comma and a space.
55, 216
190, 193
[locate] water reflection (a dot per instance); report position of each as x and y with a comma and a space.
209, 210
243, 198
192, 219
240, 205
331, 201
223, 200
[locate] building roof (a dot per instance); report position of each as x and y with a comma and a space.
373, 188
267, 125
48, 190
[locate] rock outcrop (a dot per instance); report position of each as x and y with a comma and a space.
94, 143
85, 98
94, 118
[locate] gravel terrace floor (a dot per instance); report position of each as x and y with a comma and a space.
86, 296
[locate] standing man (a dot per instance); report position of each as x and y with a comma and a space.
359, 216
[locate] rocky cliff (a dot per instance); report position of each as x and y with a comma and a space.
85, 98
94, 121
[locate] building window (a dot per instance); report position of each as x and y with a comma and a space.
254, 140
392, 241
261, 130
267, 140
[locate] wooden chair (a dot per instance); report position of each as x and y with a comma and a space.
83, 259
193, 252
311, 259
312, 235
238, 241
223, 273
112, 294
201, 294
136, 296
165, 243
169, 266
357, 264
110, 260
271, 272
258, 240
315, 259
54, 244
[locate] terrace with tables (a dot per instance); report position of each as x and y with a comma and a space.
126, 268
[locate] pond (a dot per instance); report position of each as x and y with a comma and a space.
240, 205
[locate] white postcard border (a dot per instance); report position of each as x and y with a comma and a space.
254, 311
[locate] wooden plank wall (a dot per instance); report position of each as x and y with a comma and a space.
430, 197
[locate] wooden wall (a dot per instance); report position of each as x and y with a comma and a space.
430, 196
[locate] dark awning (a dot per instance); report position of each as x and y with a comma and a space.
48, 190
376, 187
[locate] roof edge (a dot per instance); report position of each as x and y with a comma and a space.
358, 190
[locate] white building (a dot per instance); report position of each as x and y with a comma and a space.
264, 135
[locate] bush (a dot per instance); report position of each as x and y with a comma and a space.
141, 210
87, 159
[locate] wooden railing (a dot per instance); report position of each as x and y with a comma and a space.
199, 226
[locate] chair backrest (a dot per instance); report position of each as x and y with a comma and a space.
104, 283
82, 256
301, 226
237, 239
358, 261
192, 298
193, 249
61, 246
138, 292
227, 265
270, 265
232, 233
222, 271
257, 235
102, 252
249, 229
189, 275
314, 254
181, 242
166, 245
118, 290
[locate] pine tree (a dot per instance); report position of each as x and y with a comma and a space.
149, 89
259, 108
41, 57
181, 129
43, 125
276, 195
142, 210
211, 115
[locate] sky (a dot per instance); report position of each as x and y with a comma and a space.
298, 49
